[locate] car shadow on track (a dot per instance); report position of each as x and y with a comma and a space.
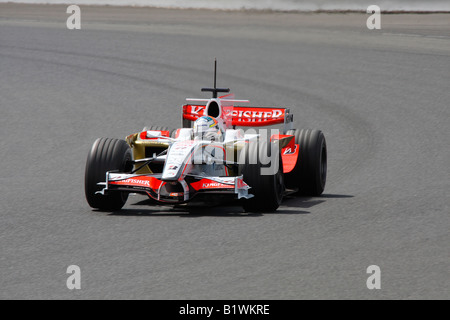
291, 205
293, 201
195, 210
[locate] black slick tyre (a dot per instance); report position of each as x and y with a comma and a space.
310, 172
106, 155
266, 180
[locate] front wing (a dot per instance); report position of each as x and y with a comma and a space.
174, 191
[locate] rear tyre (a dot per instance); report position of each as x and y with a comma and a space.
106, 155
310, 172
267, 187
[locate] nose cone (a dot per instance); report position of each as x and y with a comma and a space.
178, 158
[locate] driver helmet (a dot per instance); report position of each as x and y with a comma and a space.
207, 128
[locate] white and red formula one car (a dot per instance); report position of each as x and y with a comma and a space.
210, 156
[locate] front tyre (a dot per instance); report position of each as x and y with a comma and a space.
265, 179
310, 172
106, 155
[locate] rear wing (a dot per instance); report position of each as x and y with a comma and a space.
259, 116
241, 116
229, 116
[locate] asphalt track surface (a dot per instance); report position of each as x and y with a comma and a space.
381, 97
